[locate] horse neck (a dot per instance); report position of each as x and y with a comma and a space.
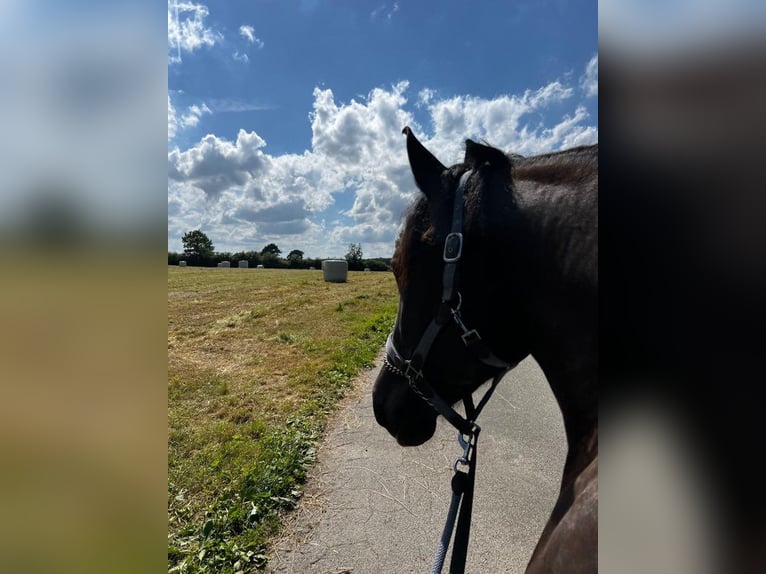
565, 312
577, 395
554, 279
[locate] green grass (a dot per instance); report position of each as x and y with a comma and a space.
257, 359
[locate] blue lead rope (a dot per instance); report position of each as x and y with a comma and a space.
462, 499
449, 526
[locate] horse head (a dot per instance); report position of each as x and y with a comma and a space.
481, 294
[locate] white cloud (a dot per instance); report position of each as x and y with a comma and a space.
246, 197
172, 120
383, 9
359, 132
248, 33
589, 80
502, 121
568, 132
187, 30
240, 57
190, 118
425, 96
222, 105
215, 165
192, 115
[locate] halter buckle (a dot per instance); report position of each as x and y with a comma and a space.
470, 337
412, 373
453, 247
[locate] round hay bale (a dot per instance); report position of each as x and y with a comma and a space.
335, 270
243, 264
182, 263
225, 264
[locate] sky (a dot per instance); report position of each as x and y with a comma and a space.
285, 117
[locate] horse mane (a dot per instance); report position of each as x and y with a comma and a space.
567, 222
568, 166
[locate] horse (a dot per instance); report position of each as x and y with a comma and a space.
521, 270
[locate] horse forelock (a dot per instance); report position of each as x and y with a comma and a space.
428, 221
412, 223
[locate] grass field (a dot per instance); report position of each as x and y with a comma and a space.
257, 359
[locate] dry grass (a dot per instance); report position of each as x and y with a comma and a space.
256, 360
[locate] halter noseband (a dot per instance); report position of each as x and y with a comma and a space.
412, 369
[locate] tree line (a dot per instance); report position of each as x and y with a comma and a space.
199, 251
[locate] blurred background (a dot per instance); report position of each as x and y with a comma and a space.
683, 274
83, 88
82, 286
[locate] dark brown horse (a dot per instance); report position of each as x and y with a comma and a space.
528, 285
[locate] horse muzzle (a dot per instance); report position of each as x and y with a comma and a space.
409, 419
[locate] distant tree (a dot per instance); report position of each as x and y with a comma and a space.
197, 244
354, 257
223, 256
295, 258
376, 264
272, 249
269, 260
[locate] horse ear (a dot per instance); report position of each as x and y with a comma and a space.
426, 169
478, 154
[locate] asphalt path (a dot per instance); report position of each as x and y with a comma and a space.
374, 507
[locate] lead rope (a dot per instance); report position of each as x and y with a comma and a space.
462, 498
462, 493
463, 532
458, 488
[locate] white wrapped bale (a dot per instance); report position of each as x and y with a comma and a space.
224, 264
242, 264
335, 270
182, 263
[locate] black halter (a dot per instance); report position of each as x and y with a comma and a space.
412, 370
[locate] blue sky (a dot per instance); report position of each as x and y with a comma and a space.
284, 117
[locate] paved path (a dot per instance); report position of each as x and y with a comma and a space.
373, 507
